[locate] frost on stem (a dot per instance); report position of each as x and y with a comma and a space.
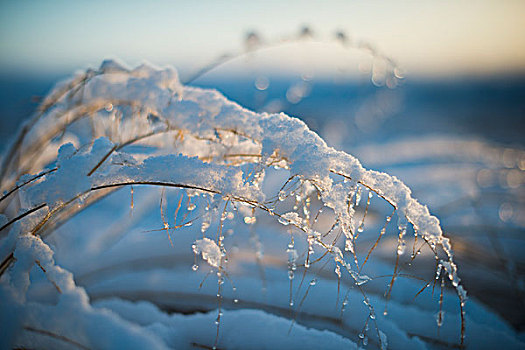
197, 141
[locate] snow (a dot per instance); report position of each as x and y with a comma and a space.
240, 328
210, 251
217, 156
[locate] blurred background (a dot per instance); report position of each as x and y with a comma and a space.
433, 93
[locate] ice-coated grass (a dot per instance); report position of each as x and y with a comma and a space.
228, 170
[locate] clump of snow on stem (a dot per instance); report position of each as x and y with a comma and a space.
210, 251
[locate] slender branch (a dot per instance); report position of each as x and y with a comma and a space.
23, 215
102, 160
17, 187
55, 336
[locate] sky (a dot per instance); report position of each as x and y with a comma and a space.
426, 38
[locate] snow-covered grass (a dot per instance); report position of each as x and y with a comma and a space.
162, 215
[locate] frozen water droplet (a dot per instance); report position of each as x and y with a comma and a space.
385, 313
401, 248
313, 282
283, 221
191, 207
235, 301
349, 247
361, 335
365, 341
440, 316
358, 196
250, 220
195, 267
290, 274
338, 271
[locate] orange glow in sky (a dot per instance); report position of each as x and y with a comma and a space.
425, 37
